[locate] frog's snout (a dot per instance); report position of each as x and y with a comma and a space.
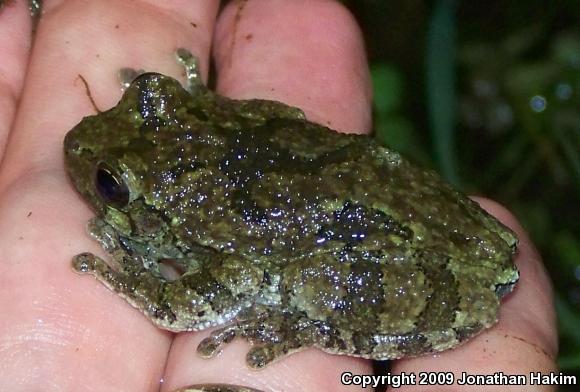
70, 144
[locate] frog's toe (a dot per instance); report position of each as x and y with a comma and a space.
259, 357
263, 355
190, 64
127, 75
209, 347
85, 263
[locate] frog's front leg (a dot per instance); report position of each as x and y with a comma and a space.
209, 295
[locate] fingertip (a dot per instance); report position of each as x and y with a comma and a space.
525, 338
15, 41
532, 303
308, 54
501, 212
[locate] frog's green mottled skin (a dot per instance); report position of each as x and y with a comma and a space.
283, 231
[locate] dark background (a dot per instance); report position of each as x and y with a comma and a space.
488, 94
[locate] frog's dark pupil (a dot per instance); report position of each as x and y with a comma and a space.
110, 187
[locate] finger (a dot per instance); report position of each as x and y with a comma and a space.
56, 325
15, 39
306, 54
281, 50
95, 39
523, 341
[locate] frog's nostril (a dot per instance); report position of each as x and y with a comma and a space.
74, 146
71, 145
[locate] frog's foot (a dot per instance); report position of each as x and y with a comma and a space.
274, 336
257, 357
260, 356
126, 76
190, 64
211, 346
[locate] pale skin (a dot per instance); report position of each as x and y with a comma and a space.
62, 331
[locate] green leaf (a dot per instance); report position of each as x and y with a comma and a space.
387, 88
441, 97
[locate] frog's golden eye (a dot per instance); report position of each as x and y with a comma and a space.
110, 186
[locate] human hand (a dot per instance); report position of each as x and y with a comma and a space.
59, 331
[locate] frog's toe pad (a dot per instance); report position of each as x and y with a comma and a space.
260, 356
84, 263
209, 347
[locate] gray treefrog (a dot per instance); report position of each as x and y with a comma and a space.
245, 215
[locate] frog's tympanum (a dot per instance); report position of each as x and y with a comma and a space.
245, 215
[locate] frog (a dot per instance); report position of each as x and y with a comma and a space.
246, 217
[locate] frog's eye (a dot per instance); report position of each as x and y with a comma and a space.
111, 186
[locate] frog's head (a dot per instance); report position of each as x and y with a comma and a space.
110, 156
